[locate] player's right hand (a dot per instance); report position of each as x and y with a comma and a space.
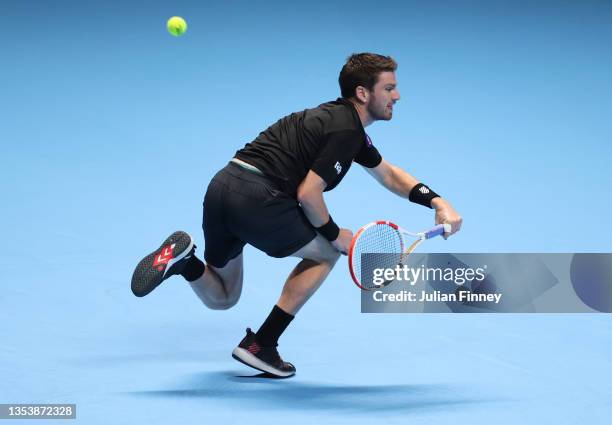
343, 241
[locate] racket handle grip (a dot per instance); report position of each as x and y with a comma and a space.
437, 231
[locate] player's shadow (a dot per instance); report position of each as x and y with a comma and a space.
259, 391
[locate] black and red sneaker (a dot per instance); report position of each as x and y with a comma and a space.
169, 259
265, 359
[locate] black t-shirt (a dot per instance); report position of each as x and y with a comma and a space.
325, 139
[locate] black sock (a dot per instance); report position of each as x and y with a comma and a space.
273, 327
194, 269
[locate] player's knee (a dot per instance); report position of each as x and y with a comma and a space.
222, 304
221, 300
231, 301
329, 255
334, 257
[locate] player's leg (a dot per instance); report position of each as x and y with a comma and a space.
318, 259
258, 350
279, 227
219, 288
218, 283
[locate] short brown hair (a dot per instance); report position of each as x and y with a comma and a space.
362, 69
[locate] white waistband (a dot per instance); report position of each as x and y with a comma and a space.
247, 166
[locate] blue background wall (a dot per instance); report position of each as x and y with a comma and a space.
111, 128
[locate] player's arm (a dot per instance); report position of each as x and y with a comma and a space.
407, 186
310, 197
393, 178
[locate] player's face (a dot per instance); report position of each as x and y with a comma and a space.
383, 96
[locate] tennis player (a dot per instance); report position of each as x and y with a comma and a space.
270, 195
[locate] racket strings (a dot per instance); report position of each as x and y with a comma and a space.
377, 239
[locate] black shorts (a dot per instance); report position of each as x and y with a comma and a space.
243, 207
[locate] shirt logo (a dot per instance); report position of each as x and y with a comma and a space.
368, 141
338, 167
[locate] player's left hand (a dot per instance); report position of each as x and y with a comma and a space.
446, 214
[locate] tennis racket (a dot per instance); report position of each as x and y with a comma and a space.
384, 237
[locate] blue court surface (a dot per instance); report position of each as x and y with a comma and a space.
111, 129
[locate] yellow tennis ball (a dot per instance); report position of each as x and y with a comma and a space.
176, 26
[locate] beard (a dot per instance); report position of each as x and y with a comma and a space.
379, 112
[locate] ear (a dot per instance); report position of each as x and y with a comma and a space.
362, 94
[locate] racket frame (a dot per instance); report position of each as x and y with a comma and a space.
420, 237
